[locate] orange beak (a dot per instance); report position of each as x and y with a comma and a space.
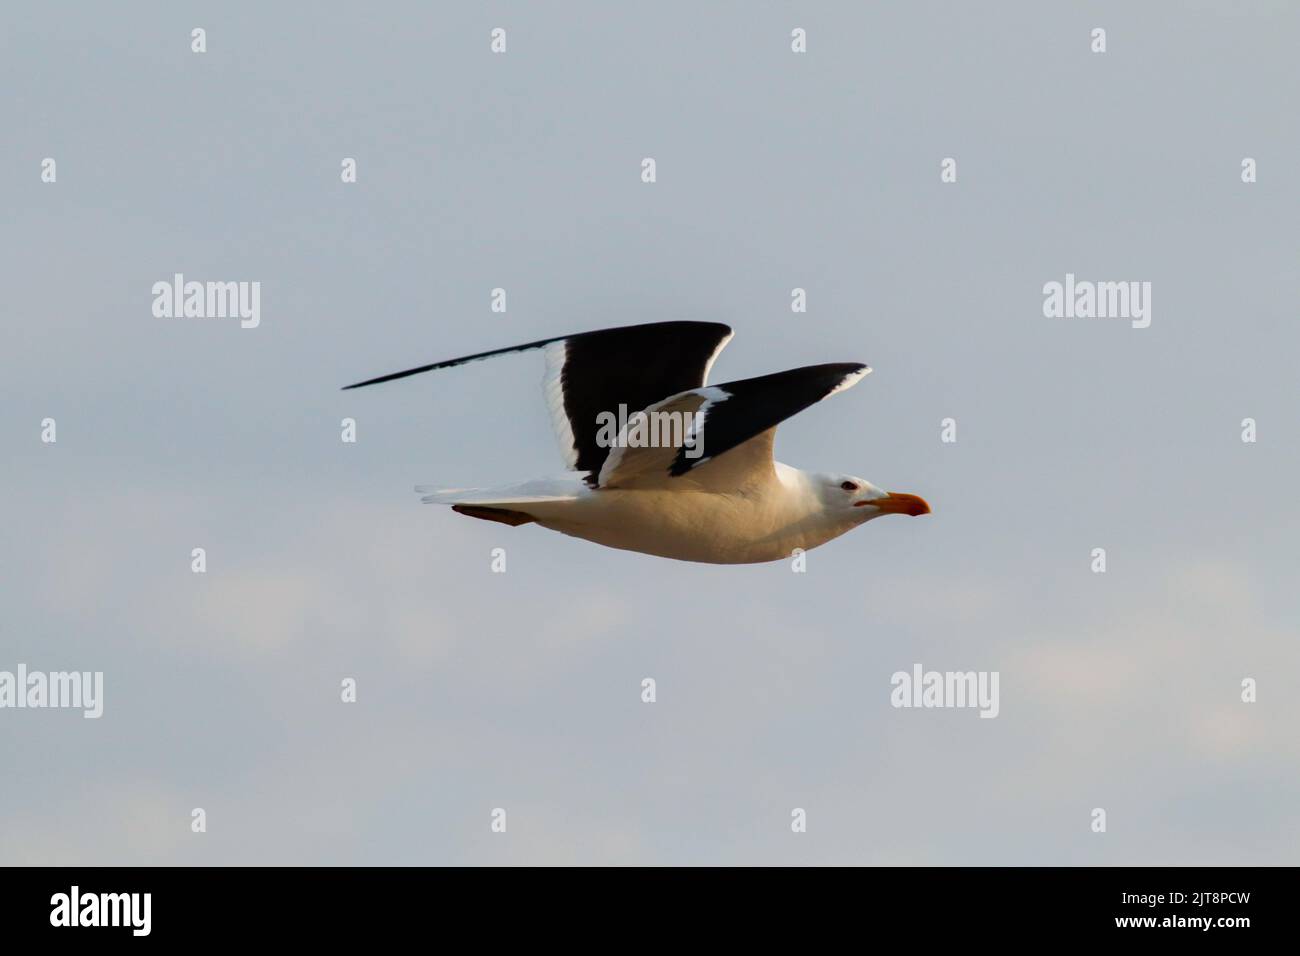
896, 503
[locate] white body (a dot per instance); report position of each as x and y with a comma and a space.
739, 527
761, 520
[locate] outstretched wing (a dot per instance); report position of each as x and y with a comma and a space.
727, 437
593, 372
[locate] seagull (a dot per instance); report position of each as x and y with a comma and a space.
689, 473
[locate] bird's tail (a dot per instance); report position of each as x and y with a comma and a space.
530, 492
511, 504
514, 505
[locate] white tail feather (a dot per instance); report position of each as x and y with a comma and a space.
566, 488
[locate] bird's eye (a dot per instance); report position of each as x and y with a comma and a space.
848, 486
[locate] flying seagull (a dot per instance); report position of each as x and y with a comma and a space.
689, 474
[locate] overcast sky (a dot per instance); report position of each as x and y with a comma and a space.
522, 690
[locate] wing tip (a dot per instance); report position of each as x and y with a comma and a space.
850, 379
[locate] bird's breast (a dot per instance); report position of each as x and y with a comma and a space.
694, 525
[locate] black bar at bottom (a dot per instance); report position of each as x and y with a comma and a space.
93, 905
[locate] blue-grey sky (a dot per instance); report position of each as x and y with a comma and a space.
522, 690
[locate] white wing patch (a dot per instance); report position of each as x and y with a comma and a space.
712, 396
557, 354
850, 380
708, 366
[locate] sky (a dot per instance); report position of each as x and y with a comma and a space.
522, 691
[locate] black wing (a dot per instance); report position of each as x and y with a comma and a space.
738, 411
594, 372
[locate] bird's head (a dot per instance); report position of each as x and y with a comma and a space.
859, 498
